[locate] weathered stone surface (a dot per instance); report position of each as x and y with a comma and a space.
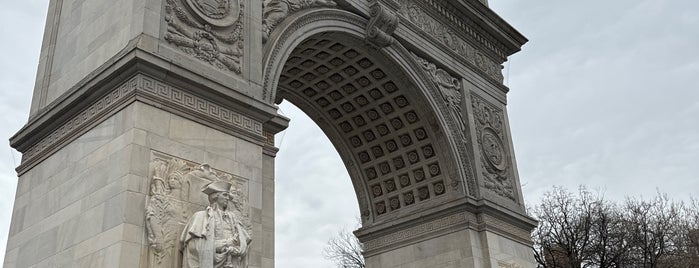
138, 104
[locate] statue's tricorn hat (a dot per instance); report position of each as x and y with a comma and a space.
215, 187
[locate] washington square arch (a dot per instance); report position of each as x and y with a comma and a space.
150, 141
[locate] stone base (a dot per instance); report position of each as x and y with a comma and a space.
85, 205
460, 249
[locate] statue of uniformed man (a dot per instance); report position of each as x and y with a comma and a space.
215, 237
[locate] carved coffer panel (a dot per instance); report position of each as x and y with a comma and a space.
175, 194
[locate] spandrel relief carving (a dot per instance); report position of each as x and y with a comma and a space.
274, 11
450, 90
177, 190
209, 30
494, 157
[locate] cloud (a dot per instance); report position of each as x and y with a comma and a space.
604, 94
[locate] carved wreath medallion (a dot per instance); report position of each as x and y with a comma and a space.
494, 157
209, 30
493, 149
220, 13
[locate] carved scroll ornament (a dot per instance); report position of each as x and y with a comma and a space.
381, 26
174, 195
209, 30
275, 11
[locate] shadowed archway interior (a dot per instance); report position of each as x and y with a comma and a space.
374, 120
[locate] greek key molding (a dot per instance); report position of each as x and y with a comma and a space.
139, 85
446, 36
198, 104
78, 122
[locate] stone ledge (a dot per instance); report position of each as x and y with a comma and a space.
139, 76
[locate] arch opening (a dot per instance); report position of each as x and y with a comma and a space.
377, 120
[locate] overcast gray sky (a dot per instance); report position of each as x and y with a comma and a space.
605, 94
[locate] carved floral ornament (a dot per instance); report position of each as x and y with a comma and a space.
494, 157
209, 30
174, 196
275, 11
442, 33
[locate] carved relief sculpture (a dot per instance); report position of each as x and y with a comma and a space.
166, 213
171, 204
274, 11
443, 34
494, 157
450, 90
215, 237
210, 30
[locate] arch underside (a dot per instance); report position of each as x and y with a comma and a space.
376, 119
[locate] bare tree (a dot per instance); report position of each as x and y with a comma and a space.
345, 250
565, 226
609, 246
652, 228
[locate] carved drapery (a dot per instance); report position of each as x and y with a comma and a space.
209, 30
381, 26
174, 195
274, 11
495, 160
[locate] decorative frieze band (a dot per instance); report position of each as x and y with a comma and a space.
198, 104
480, 222
469, 27
418, 230
444, 34
87, 116
494, 224
140, 85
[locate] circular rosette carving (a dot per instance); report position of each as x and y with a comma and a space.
493, 149
220, 13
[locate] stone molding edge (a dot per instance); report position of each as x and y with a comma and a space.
420, 232
296, 21
442, 226
138, 86
471, 28
421, 22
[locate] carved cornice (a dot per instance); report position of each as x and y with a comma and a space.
382, 24
137, 87
452, 39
